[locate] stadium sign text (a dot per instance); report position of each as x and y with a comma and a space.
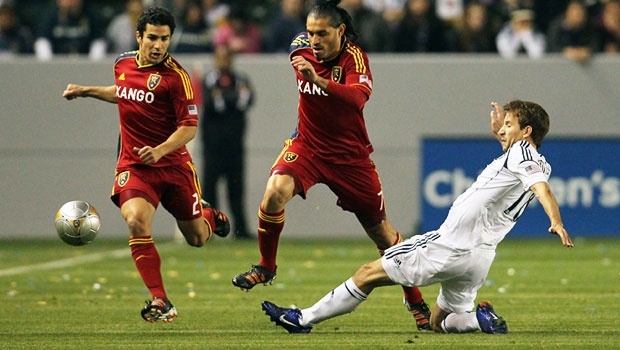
585, 179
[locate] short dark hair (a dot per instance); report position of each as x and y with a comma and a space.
157, 16
338, 15
532, 114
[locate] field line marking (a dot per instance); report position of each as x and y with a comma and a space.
58, 264
68, 262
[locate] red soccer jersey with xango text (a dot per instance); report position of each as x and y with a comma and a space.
332, 122
153, 101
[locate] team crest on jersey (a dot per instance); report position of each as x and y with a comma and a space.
336, 73
154, 80
289, 157
123, 178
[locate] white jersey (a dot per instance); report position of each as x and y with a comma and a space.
488, 210
460, 253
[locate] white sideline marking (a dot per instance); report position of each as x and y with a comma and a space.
58, 264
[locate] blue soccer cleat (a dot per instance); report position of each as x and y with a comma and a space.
488, 320
285, 318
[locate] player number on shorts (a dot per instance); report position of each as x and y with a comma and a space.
196, 205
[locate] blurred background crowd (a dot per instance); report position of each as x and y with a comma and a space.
576, 28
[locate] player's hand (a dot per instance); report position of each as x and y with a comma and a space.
497, 117
305, 68
72, 91
148, 155
560, 231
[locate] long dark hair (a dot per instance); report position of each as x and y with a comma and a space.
338, 15
157, 16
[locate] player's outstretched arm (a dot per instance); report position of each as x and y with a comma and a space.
104, 93
547, 200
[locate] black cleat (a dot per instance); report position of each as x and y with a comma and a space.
256, 275
422, 315
159, 309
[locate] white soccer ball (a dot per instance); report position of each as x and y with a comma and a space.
77, 223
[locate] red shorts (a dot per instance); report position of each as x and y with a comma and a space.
176, 187
356, 183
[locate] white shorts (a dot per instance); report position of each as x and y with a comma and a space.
423, 260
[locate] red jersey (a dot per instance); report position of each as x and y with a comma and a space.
153, 101
332, 122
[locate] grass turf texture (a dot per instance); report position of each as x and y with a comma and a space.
551, 297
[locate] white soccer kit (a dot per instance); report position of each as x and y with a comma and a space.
459, 254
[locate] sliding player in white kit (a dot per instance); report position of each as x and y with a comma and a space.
459, 254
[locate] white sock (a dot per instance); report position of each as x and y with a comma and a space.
343, 299
460, 323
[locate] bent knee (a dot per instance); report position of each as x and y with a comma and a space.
137, 225
370, 276
436, 326
195, 239
437, 317
196, 232
275, 199
280, 189
195, 242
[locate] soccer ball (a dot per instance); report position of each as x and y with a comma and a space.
77, 223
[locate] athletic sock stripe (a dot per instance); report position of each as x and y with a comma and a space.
276, 219
357, 294
135, 241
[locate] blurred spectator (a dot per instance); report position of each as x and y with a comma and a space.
392, 11
121, 32
520, 35
477, 30
227, 97
215, 12
608, 28
238, 33
513, 5
169, 4
373, 33
71, 27
572, 33
548, 11
15, 38
380, 6
290, 21
421, 31
502, 9
193, 35
449, 11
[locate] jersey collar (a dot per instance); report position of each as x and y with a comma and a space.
150, 65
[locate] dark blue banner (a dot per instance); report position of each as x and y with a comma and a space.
585, 179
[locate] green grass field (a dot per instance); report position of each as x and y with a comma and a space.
54, 296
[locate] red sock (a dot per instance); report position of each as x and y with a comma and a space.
269, 228
413, 295
207, 214
148, 262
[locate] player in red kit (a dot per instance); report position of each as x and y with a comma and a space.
158, 116
330, 146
